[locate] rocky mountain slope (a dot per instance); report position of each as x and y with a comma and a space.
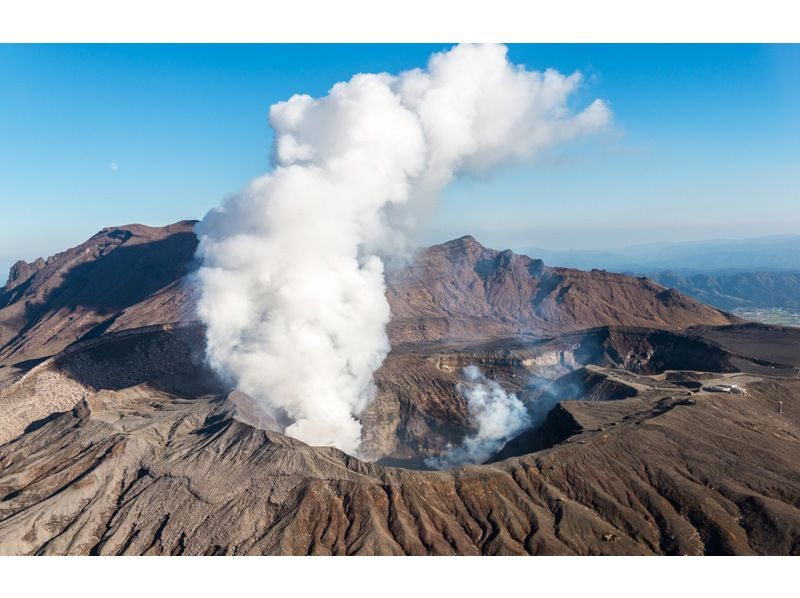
461, 289
123, 277
168, 466
116, 439
131, 276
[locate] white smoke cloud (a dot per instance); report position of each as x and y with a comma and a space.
499, 417
292, 284
543, 394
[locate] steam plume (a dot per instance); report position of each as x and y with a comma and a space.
545, 394
499, 417
292, 285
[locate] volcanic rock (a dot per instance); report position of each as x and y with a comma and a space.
115, 438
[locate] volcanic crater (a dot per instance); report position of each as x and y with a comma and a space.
118, 439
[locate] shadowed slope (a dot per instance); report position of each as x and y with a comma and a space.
88, 290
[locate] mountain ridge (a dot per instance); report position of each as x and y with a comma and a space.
504, 293
135, 275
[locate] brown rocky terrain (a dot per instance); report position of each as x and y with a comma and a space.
462, 290
168, 467
116, 439
123, 277
131, 276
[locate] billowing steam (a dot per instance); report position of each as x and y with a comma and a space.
292, 283
499, 417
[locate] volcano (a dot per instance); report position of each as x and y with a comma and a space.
118, 439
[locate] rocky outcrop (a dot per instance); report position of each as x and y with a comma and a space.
20, 273
163, 355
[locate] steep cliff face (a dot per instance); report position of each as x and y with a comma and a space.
21, 272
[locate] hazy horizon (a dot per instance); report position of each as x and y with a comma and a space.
704, 144
515, 242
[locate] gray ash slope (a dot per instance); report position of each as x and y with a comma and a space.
117, 440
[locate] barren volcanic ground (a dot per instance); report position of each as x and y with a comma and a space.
116, 439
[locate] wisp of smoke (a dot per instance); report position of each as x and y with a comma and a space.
498, 415
292, 276
545, 394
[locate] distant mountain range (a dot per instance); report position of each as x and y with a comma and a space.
728, 274
764, 254
738, 290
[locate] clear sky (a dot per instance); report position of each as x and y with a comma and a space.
705, 142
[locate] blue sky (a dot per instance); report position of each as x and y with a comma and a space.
706, 141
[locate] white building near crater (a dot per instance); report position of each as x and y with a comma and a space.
729, 388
